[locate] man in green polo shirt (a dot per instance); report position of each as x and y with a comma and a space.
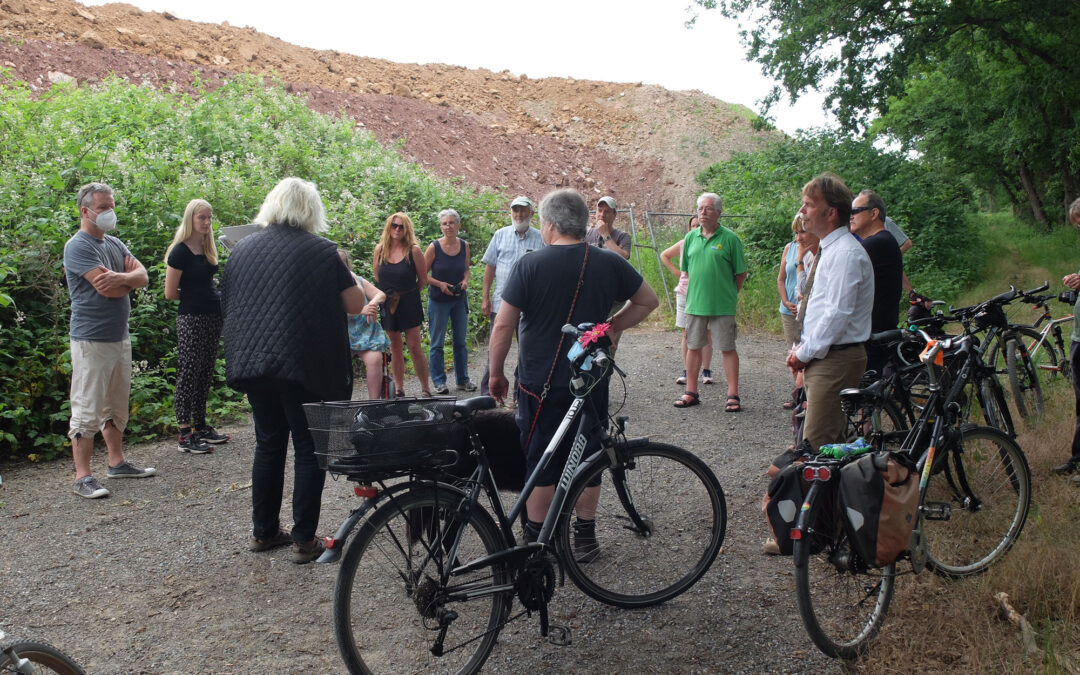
713, 260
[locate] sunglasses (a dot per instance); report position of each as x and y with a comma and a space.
397, 226
860, 209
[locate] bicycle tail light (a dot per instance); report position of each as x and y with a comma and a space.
812, 473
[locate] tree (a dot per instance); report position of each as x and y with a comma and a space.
1007, 65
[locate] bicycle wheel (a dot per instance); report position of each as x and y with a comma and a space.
995, 409
1024, 380
45, 657
395, 593
660, 521
1046, 358
976, 505
842, 603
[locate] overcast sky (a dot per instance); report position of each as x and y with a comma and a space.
612, 40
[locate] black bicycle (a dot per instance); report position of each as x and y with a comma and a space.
430, 578
34, 656
974, 495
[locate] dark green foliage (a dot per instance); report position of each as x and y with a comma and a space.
158, 151
767, 185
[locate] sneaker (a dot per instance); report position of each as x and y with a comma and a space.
1065, 469
88, 487
282, 538
468, 386
586, 548
211, 436
681, 379
192, 444
441, 390
126, 469
706, 376
770, 547
305, 553
1075, 480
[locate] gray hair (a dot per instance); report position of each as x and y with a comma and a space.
87, 192
1074, 211
567, 211
449, 212
874, 201
294, 202
717, 203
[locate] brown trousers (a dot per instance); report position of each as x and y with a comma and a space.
824, 378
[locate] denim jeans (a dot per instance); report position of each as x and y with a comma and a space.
439, 314
277, 411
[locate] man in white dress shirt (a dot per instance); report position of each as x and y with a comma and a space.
838, 307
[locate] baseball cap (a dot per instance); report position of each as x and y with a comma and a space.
610, 201
522, 200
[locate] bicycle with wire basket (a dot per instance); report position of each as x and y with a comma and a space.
429, 579
973, 497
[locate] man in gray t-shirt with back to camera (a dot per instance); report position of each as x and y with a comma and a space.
101, 272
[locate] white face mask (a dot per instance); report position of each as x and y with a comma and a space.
106, 220
520, 225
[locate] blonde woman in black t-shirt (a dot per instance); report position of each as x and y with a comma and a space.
192, 262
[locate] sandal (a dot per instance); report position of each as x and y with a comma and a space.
425, 394
282, 538
688, 400
733, 407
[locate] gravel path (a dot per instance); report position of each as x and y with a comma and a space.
157, 578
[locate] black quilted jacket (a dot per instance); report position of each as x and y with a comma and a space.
283, 313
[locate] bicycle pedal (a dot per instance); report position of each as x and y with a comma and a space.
937, 511
559, 635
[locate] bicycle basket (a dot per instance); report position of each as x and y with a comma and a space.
384, 437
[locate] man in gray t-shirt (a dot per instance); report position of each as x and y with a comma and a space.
101, 272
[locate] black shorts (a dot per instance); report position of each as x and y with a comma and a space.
551, 415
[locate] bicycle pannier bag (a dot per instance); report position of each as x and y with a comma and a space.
879, 496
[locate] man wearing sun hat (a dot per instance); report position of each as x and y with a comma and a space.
507, 246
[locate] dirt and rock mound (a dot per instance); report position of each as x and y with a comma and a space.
641, 143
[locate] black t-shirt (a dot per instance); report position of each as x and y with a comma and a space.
197, 292
888, 265
542, 286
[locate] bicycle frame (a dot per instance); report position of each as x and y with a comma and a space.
1053, 326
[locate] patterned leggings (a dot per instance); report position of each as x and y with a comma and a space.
197, 338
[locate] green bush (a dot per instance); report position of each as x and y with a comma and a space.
158, 150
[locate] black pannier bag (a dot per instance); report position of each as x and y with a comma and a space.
879, 496
781, 505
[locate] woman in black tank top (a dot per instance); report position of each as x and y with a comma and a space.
400, 272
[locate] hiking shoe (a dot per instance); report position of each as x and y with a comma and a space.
706, 376
88, 487
211, 436
282, 538
1065, 469
305, 553
126, 469
586, 548
468, 386
441, 390
192, 444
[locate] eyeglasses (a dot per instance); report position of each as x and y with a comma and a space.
397, 226
860, 209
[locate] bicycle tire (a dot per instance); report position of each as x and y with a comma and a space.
45, 657
1024, 380
994, 407
1048, 363
985, 521
834, 590
394, 581
677, 496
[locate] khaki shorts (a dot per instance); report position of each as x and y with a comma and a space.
723, 329
100, 386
